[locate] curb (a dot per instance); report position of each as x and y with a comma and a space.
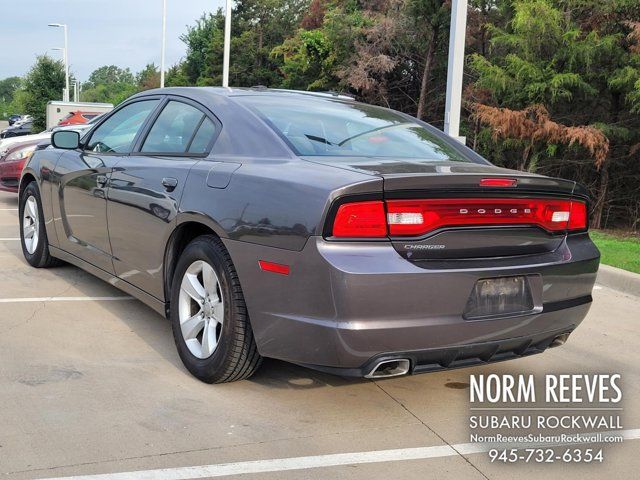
618, 279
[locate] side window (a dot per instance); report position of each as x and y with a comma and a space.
118, 132
174, 128
203, 137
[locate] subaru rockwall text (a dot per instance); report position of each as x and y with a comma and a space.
314, 229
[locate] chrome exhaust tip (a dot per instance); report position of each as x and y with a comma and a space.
390, 368
559, 340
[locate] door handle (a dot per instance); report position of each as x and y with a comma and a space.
169, 183
101, 180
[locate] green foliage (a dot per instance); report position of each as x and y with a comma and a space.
176, 77
43, 83
148, 77
581, 59
307, 61
109, 75
109, 84
258, 27
8, 88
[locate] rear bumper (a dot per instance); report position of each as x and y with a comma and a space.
346, 305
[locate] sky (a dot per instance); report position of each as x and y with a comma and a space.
126, 33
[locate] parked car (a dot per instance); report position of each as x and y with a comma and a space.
77, 118
12, 162
13, 119
6, 143
314, 229
17, 129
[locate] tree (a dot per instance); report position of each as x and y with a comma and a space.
109, 84
258, 27
176, 76
8, 86
148, 77
43, 83
109, 75
579, 60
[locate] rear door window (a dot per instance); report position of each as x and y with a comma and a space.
176, 129
203, 137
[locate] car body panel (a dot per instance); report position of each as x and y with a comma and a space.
80, 206
141, 215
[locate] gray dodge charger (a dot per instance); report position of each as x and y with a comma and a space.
311, 228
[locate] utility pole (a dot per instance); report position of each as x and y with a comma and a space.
164, 41
227, 45
455, 69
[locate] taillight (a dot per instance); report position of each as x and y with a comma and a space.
417, 217
579, 217
410, 218
360, 220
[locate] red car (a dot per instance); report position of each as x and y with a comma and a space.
78, 118
12, 162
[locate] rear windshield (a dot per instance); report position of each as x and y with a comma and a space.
315, 127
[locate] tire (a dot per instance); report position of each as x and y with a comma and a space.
235, 355
36, 255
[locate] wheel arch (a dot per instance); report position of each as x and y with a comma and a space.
26, 179
189, 226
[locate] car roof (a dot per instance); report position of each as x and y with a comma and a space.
246, 91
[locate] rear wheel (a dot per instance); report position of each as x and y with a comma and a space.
33, 234
209, 317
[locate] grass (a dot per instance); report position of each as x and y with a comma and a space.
617, 250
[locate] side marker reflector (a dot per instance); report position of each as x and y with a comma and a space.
274, 267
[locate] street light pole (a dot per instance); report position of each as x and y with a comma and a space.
164, 40
227, 45
61, 49
455, 69
66, 59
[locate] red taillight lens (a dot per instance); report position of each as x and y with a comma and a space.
417, 217
411, 218
361, 220
579, 217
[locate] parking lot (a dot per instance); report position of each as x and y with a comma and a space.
90, 383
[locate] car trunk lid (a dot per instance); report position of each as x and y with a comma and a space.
500, 195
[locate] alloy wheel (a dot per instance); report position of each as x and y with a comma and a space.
30, 225
201, 309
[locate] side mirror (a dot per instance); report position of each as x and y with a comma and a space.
65, 139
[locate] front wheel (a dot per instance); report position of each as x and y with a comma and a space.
33, 235
209, 317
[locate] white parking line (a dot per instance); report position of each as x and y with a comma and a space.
10, 239
317, 461
8, 209
62, 299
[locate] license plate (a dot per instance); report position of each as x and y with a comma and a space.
496, 297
